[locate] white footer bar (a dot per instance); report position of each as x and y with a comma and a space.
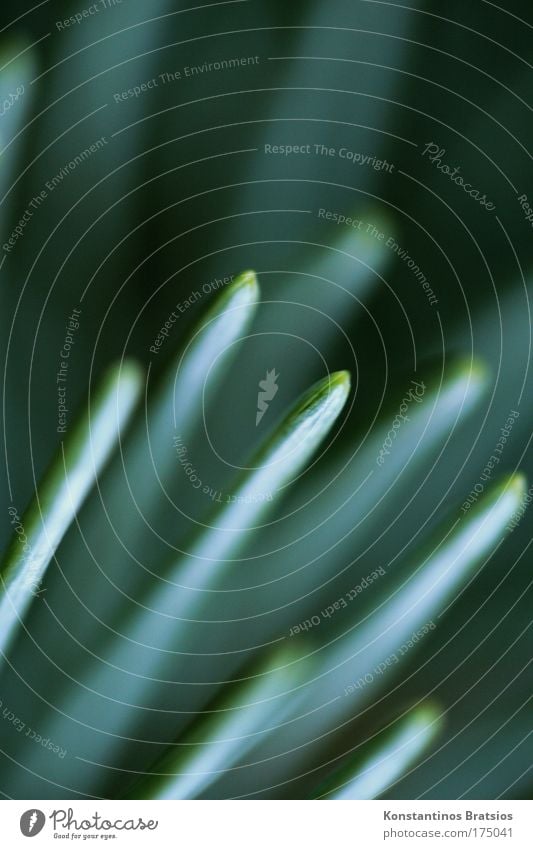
269, 825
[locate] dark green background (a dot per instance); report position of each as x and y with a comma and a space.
164, 210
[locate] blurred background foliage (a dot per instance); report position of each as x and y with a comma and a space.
183, 194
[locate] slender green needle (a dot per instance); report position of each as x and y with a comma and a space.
222, 735
133, 491
17, 68
350, 495
63, 490
385, 759
359, 662
147, 644
178, 396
